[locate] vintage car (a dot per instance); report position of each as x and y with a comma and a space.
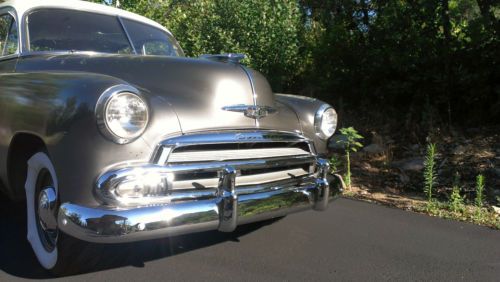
110, 134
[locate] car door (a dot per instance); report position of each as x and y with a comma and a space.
9, 50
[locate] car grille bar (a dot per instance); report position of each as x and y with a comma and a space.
224, 155
202, 151
189, 167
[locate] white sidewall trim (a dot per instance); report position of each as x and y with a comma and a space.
36, 163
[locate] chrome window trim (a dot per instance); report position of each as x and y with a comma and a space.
24, 46
100, 111
167, 32
9, 57
124, 28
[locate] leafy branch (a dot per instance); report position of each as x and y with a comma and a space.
351, 144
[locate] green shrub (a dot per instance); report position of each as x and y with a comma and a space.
350, 143
479, 190
335, 163
456, 201
430, 171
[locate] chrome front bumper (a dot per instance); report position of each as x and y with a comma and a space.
224, 211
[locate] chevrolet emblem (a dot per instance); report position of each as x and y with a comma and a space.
252, 111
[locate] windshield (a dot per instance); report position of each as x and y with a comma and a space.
70, 30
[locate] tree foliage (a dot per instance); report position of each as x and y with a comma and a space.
268, 32
423, 61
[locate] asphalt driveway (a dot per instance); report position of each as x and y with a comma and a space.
350, 241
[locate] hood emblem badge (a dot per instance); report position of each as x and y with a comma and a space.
251, 111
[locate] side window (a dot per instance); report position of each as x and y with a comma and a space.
8, 35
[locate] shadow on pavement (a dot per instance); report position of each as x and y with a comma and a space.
17, 258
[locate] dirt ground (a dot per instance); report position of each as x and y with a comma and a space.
389, 169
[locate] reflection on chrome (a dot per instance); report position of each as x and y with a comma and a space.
223, 210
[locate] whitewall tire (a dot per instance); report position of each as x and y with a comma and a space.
57, 252
36, 164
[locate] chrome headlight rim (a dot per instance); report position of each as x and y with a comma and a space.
318, 120
101, 111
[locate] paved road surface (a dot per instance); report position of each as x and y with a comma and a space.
350, 241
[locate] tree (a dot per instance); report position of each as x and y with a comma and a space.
268, 32
421, 62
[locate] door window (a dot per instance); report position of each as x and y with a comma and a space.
8, 35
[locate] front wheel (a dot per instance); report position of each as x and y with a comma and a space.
52, 248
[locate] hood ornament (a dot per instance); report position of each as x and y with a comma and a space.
251, 111
224, 58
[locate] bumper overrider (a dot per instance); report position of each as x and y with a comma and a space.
223, 208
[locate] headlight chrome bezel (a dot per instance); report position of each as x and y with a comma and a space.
101, 112
318, 121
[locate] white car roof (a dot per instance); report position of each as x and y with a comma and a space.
23, 6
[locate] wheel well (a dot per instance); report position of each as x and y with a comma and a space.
22, 147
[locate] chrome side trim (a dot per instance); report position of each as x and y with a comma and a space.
223, 212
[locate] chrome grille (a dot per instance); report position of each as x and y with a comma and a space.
206, 149
226, 155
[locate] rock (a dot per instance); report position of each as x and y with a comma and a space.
334, 144
415, 164
415, 147
389, 140
473, 130
496, 209
374, 149
495, 171
392, 190
459, 150
376, 138
367, 167
403, 178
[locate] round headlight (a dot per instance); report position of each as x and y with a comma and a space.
325, 122
123, 115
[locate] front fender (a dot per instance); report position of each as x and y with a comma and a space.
59, 108
306, 109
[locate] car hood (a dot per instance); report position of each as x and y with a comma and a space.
196, 89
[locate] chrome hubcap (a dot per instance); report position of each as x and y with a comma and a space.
46, 211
